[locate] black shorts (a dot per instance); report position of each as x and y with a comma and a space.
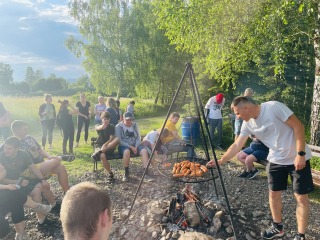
301, 179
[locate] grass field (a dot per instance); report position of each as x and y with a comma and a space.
149, 117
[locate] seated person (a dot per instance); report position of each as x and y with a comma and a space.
128, 133
150, 140
107, 141
18, 163
51, 166
256, 151
12, 200
173, 142
94, 222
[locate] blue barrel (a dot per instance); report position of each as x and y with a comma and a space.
191, 130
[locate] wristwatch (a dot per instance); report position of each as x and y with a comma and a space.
301, 153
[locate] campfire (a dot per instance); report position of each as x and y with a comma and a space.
186, 210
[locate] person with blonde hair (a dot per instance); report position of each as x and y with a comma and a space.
47, 113
98, 109
86, 213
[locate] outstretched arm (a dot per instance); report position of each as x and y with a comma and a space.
231, 152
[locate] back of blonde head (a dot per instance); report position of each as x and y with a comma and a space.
248, 92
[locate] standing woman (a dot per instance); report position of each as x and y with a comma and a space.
66, 124
47, 113
98, 109
83, 107
5, 121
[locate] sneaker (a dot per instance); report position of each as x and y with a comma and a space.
298, 237
110, 178
253, 174
56, 208
272, 232
50, 147
125, 178
23, 236
43, 208
148, 178
219, 146
244, 174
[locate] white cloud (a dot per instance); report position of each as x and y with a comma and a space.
58, 13
28, 3
67, 67
22, 58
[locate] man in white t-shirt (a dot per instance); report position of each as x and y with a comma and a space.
214, 116
274, 124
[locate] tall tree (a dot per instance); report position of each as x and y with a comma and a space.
104, 25
315, 112
5, 75
30, 75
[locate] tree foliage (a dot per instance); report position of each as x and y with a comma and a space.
125, 52
5, 75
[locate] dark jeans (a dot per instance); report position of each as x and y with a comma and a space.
47, 130
86, 122
68, 134
11, 202
213, 125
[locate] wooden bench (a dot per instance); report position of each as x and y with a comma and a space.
315, 151
114, 156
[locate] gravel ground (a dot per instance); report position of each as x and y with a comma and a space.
246, 197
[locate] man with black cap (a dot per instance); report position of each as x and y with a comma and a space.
128, 133
214, 116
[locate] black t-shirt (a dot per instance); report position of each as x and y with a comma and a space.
15, 166
104, 134
114, 116
66, 119
83, 109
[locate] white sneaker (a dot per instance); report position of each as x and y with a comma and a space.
43, 208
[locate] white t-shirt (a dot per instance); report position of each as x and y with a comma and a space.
270, 128
151, 137
215, 108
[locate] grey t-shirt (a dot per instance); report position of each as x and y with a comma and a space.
128, 136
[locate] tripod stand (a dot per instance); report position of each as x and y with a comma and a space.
203, 128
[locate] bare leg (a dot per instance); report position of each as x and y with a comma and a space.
275, 201
249, 162
105, 162
19, 227
144, 157
302, 212
126, 158
241, 156
110, 146
61, 171
36, 196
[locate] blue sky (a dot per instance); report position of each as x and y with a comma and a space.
33, 33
